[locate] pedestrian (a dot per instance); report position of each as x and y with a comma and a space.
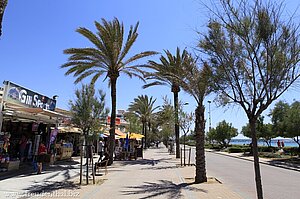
282, 144
278, 143
100, 150
42, 151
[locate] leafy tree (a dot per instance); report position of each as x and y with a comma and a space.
106, 58
143, 107
292, 122
134, 123
254, 55
286, 119
165, 121
278, 114
223, 133
86, 110
264, 131
169, 64
185, 121
3, 4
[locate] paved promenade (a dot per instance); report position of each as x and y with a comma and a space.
158, 175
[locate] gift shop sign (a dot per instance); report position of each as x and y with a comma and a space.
23, 96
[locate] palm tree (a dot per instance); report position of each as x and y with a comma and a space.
195, 82
161, 76
106, 58
3, 4
143, 107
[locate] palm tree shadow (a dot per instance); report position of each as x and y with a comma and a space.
49, 186
140, 162
167, 188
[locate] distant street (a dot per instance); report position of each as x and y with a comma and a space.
238, 175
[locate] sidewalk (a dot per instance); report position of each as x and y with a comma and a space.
158, 175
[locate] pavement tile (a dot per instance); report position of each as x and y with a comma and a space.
158, 175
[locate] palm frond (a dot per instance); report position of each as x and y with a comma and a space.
139, 56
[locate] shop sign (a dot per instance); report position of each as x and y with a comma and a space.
118, 120
23, 96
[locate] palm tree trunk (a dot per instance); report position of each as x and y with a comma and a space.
143, 139
111, 142
200, 153
259, 190
146, 144
3, 4
176, 125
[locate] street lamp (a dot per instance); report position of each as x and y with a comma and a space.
209, 114
184, 134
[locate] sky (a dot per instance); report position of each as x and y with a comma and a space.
35, 33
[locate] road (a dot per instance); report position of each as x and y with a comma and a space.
238, 175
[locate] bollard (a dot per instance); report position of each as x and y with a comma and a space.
181, 156
190, 156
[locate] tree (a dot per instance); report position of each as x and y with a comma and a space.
264, 131
3, 4
195, 81
168, 64
165, 121
107, 58
185, 122
286, 119
134, 123
292, 122
278, 114
223, 133
86, 110
254, 55
143, 107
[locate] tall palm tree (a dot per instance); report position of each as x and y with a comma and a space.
3, 4
195, 82
170, 64
143, 106
106, 58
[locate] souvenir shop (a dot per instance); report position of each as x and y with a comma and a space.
26, 119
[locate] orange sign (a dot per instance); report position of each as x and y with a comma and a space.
118, 120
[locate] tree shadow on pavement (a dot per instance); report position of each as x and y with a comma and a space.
49, 186
140, 162
291, 163
166, 188
159, 168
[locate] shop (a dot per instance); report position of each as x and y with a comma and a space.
129, 146
26, 119
69, 139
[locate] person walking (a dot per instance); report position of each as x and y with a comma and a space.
100, 150
278, 144
282, 143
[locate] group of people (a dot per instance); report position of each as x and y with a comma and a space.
280, 144
41, 154
102, 152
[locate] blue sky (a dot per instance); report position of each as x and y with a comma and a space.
36, 32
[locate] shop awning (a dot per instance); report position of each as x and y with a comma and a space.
69, 129
14, 110
133, 136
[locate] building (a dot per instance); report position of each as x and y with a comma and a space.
25, 115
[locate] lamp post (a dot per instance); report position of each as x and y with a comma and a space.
209, 114
184, 134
